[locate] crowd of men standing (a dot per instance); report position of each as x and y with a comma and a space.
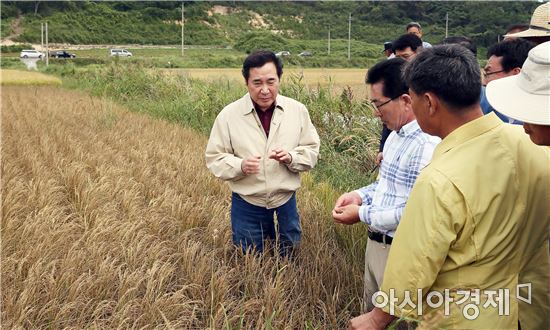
460, 207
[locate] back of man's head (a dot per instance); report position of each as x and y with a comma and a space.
451, 72
390, 73
259, 58
513, 52
515, 28
407, 40
461, 40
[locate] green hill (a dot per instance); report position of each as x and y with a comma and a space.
224, 23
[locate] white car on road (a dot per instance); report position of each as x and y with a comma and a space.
120, 52
31, 53
282, 53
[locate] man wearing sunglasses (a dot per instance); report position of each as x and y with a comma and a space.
406, 152
504, 59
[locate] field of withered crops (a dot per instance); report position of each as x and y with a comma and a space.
110, 219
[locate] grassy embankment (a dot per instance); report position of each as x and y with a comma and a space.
362, 56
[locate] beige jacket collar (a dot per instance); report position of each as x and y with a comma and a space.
249, 106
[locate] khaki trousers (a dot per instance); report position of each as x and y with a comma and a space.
376, 256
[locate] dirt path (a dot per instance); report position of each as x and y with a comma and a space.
16, 27
16, 31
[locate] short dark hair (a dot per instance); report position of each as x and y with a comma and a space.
407, 40
513, 51
449, 71
520, 27
413, 24
389, 72
258, 59
461, 40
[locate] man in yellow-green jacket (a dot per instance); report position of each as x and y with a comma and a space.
473, 238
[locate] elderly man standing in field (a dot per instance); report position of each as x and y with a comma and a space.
408, 150
416, 29
259, 144
477, 217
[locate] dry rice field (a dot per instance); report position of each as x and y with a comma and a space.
337, 79
18, 77
111, 220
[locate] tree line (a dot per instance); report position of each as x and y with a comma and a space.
156, 22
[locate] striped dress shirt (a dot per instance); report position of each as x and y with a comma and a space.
406, 152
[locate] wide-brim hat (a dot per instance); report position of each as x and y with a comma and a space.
525, 96
540, 24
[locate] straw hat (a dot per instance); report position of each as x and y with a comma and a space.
540, 23
525, 96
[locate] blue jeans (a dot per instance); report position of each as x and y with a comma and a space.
252, 224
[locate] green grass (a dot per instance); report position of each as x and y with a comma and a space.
12, 63
363, 55
5, 26
158, 52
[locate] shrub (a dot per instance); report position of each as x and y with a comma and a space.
15, 48
261, 40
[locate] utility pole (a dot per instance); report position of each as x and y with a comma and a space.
446, 25
42, 36
47, 47
329, 40
182, 28
349, 38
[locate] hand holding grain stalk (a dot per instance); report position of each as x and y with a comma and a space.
281, 156
346, 208
347, 215
251, 165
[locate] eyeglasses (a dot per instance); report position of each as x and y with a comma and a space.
377, 107
490, 73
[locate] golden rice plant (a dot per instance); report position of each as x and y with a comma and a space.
25, 78
111, 220
313, 78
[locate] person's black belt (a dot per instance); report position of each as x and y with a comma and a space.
379, 237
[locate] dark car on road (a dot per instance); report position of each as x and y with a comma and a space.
62, 54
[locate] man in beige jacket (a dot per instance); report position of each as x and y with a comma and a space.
259, 144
